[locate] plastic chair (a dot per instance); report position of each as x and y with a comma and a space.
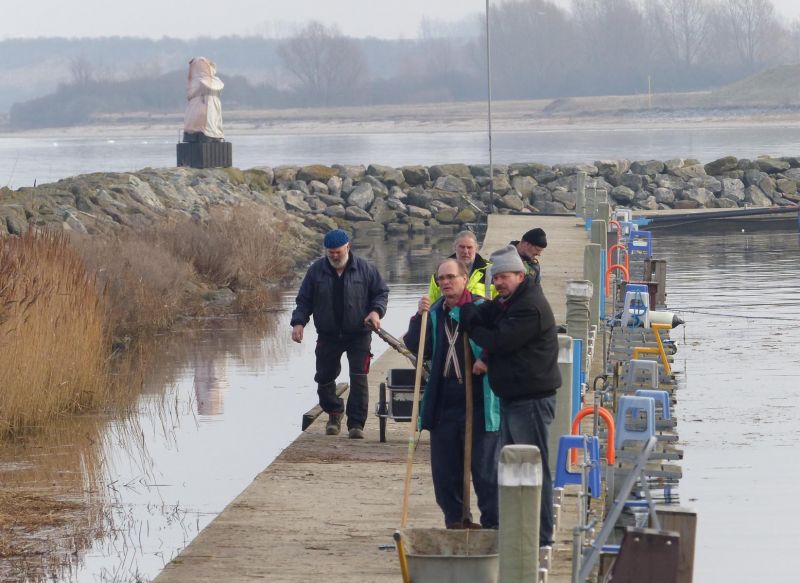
591, 447
635, 406
641, 374
659, 397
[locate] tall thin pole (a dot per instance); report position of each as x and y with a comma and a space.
489, 104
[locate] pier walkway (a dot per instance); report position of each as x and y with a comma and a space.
324, 507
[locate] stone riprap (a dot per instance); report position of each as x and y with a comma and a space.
376, 199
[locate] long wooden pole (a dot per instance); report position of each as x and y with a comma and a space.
412, 431
465, 512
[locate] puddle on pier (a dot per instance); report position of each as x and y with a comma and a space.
124, 493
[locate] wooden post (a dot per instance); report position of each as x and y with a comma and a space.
465, 510
684, 522
655, 270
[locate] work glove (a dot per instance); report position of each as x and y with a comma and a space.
469, 316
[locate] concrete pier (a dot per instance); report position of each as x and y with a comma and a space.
324, 507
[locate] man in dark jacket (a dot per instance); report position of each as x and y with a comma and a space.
345, 294
518, 332
443, 411
530, 248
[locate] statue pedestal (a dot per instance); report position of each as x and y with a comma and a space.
205, 154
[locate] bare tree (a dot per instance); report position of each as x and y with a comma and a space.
793, 41
684, 27
532, 48
616, 50
81, 71
747, 26
329, 66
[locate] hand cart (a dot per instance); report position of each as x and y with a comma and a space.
400, 387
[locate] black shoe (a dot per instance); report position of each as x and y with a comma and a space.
334, 424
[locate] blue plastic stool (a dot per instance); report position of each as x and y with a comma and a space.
634, 406
659, 397
590, 445
641, 374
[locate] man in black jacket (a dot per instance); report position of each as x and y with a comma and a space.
530, 249
518, 334
345, 294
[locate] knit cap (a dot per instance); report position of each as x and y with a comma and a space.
505, 260
536, 237
335, 238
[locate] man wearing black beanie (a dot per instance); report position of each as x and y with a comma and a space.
530, 249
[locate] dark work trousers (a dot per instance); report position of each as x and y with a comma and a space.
526, 422
329, 353
447, 459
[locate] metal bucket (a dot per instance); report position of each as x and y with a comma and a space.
437, 555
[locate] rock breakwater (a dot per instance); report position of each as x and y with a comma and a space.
379, 199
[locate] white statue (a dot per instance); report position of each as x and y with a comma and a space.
204, 111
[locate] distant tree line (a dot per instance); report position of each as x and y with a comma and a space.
539, 50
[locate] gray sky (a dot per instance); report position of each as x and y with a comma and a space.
184, 19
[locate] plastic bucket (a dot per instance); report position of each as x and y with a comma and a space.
437, 555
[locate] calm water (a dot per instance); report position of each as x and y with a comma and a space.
739, 415
220, 402
49, 158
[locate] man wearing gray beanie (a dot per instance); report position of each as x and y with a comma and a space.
517, 331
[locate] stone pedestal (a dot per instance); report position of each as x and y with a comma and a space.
205, 154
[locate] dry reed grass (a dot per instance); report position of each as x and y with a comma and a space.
53, 343
145, 286
240, 247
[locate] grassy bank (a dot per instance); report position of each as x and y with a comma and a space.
67, 301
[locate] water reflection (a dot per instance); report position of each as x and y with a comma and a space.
219, 400
740, 412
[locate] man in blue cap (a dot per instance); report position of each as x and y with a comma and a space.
346, 295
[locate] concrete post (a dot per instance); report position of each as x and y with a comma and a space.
601, 196
562, 422
600, 233
591, 271
519, 477
590, 207
579, 295
603, 211
580, 204
600, 236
